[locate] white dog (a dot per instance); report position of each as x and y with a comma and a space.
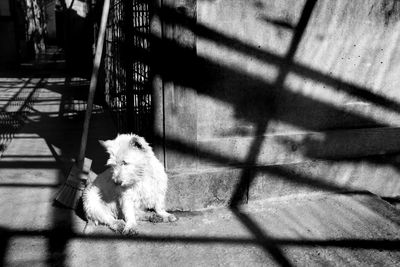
136, 181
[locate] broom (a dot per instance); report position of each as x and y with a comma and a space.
71, 190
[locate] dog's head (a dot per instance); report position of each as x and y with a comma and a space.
129, 153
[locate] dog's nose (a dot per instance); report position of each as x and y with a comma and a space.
117, 181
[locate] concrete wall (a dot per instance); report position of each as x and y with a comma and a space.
328, 74
279, 85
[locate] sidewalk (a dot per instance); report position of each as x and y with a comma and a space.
39, 143
307, 230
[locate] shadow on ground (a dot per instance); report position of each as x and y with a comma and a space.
45, 129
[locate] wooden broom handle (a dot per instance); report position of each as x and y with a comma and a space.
93, 81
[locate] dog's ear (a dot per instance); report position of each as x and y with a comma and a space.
136, 142
140, 143
106, 144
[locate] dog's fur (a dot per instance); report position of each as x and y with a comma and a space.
136, 181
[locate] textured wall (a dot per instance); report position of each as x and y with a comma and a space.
278, 69
280, 85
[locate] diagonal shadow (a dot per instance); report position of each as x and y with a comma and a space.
39, 123
254, 150
51, 127
169, 15
240, 194
267, 243
263, 94
15, 98
190, 149
182, 76
211, 72
248, 174
11, 122
263, 239
65, 236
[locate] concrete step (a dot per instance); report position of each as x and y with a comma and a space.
298, 146
212, 187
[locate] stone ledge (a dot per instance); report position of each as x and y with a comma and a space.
195, 190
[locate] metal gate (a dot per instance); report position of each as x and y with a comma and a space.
127, 81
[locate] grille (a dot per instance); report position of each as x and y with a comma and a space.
127, 87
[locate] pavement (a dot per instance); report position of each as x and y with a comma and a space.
39, 143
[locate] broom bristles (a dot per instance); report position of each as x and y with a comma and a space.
68, 196
71, 190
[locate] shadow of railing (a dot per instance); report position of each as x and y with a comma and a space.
385, 244
169, 15
261, 100
13, 112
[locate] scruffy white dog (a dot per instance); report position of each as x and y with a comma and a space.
136, 181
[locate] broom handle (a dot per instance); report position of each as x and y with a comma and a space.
93, 82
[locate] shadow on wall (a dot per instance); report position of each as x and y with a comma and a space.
259, 101
254, 100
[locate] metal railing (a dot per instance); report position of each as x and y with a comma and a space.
127, 88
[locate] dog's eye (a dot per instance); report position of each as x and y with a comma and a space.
124, 162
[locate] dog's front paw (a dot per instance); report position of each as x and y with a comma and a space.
156, 218
130, 231
172, 218
118, 226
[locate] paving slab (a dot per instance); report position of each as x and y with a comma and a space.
304, 230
